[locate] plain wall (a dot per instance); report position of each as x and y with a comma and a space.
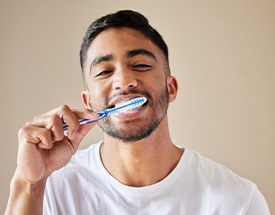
222, 53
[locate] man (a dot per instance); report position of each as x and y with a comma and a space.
136, 169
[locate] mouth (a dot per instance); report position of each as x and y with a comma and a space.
127, 112
131, 108
118, 101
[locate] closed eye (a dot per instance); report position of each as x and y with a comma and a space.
142, 66
103, 73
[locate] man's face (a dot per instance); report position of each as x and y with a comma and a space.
121, 65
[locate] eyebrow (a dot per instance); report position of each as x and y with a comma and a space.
129, 54
135, 52
100, 59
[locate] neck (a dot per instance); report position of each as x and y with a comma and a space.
143, 162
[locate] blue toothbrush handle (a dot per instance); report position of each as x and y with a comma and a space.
101, 114
106, 112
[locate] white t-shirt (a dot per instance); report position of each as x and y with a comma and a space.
196, 186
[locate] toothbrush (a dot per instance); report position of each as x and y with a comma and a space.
103, 113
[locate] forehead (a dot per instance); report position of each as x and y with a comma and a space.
117, 41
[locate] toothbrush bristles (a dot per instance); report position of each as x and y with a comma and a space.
134, 103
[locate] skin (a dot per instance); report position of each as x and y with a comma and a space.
43, 147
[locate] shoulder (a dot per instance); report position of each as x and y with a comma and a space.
219, 183
216, 173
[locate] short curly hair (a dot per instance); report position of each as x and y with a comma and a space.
122, 18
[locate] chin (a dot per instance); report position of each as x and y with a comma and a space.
130, 131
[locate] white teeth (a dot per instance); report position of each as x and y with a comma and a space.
120, 103
127, 106
128, 109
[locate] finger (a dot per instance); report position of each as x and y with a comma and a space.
67, 116
53, 123
80, 134
83, 129
86, 114
41, 137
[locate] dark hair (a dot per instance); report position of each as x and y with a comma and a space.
123, 18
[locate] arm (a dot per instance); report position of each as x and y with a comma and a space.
43, 149
26, 198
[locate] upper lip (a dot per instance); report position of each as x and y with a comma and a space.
121, 99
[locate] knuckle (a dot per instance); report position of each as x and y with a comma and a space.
25, 129
36, 117
54, 119
22, 131
64, 108
45, 133
26, 124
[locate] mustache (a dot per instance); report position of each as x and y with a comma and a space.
128, 92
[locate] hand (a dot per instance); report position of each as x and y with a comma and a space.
43, 146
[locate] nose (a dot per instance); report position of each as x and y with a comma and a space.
124, 79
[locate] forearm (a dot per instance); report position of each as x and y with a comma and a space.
25, 198
38, 155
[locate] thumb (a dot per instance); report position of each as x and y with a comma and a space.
78, 136
84, 129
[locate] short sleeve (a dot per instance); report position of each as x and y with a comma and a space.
258, 204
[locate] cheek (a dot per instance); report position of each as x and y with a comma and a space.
156, 85
98, 97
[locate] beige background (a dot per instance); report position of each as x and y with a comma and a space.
222, 52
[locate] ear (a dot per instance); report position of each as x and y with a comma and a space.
86, 99
172, 86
